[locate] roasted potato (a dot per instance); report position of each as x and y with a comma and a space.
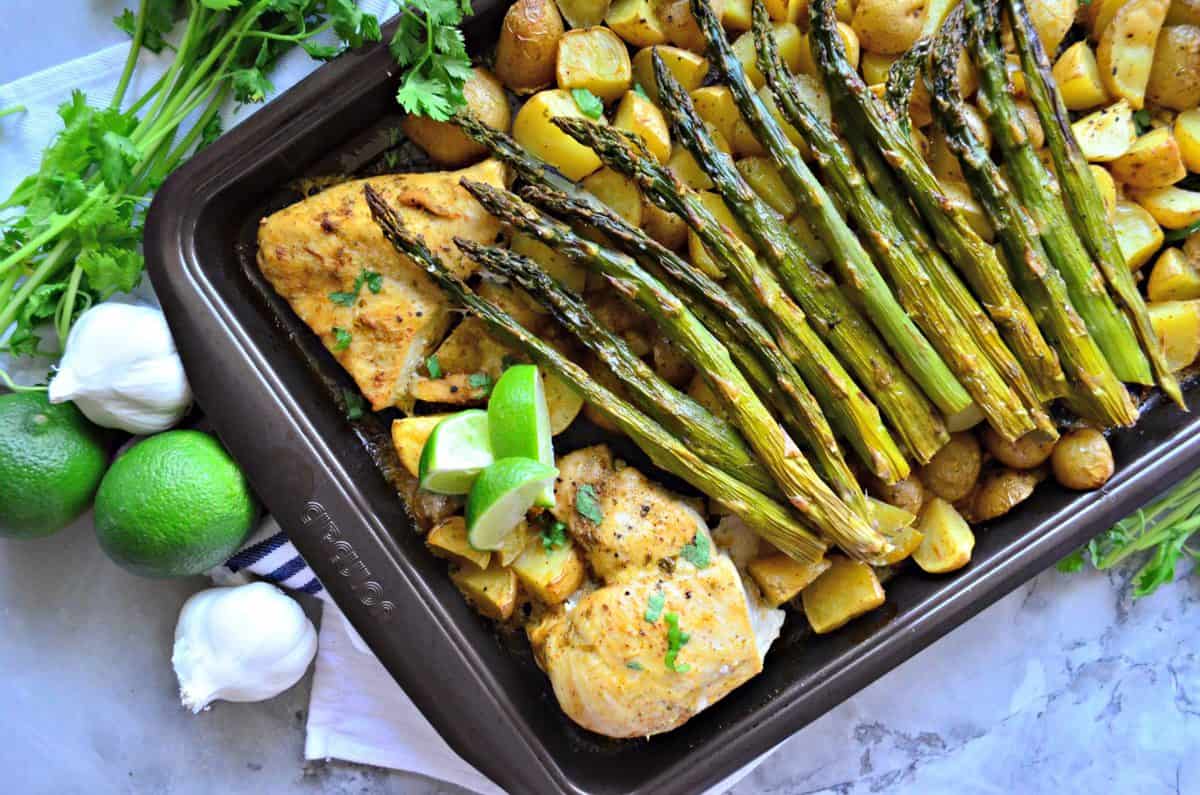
947, 540
1078, 78
846, 590
908, 494
699, 256
1175, 72
687, 67
897, 525
448, 539
555, 263
1184, 12
680, 26
1138, 235
670, 363
1051, 19
1153, 161
1177, 324
961, 200
534, 130
445, 143
888, 26
952, 472
563, 403
813, 94
636, 21
1000, 491
715, 105
687, 170
1106, 134
1030, 451
528, 45
491, 591
550, 575
1174, 208
762, 175
1099, 13
1126, 52
809, 241
808, 65
1082, 460
641, 117
942, 160
1031, 122
1107, 187
408, 437
594, 59
666, 228
788, 41
781, 579
618, 192
583, 13
1187, 135
1175, 277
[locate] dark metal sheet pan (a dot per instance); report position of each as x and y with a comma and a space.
271, 393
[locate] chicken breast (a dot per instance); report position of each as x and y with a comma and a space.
323, 244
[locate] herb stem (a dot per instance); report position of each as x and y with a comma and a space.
35, 280
135, 49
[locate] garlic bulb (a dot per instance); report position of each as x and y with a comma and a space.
248, 643
121, 369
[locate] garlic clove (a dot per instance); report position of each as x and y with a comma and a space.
246, 643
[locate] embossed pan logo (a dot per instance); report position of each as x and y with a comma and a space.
349, 565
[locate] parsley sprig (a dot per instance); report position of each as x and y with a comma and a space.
429, 46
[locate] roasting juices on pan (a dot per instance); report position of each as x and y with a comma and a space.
855, 278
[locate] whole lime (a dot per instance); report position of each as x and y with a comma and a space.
51, 461
173, 505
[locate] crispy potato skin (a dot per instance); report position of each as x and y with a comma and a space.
952, 473
528, 45
888, 27
1175, 73
1082, 460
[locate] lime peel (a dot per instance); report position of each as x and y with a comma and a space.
456, 451
502, 495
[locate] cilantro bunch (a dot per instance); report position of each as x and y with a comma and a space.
429, 46
70, 234
1162, 529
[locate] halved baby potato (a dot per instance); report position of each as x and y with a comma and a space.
448, 539
636, 21
640, 116
1107, 134
1175, 277
1107, 187
845, 591
555, 263
491, 591
1078, 77
618, 192
594, 59
789, 42
681, 27
1177, 324
781, 579
444, 142
550, 575
696, 251
1154, 161
534, 130
948, 540
409, 435
583, 13
1187, 134
1175, 74
1126, 52
1138, 235
685, 66
763, 176
528, 45
1174, 208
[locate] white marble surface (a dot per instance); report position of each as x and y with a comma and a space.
1064, 686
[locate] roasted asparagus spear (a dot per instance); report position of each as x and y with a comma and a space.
765, 516
1081, 194
874, 133
1099, 394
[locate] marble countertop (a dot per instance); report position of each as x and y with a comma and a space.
1066, 685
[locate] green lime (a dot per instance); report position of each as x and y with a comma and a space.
455, 453
501, 496
51, 461
519, 421
174, 504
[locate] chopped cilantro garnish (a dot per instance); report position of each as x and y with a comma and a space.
371, 279
676, 640
637, 89
343, 299
587, 503
341, 338
698, 552
588, 103
654, 606
1171, 235
1142, 120
634, 665
434, 368
354, 404
554, 535
481, 381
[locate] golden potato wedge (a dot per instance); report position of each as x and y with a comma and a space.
1138, 235
812, 93
845, 591
595, 59
808, 65
1000, 491
809, 240
448, 539
1184, 12
1051, 19
555, 263
583, 13
1107, 187
1126, 52
514, 543
888, 26
640, 116
491, 591
528, 45
699, 256
444, 142
736, 17
948, 540
1175, 72
618, 192
680, 26
687, 67
1153, 161
963, 201
470, 348
1098, 15
1106, 134
1175, 277
687, 170
534, 130
636, 22
1082, 460
666, 228
1177, 324
1030, 451
550, 575
781, 579
1174, 208
1187, 135
409, 435
715, 105
942, 160
764, 177
907, 493
1033, 124
788, 41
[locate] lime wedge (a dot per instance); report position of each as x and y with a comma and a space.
455, 453
501, 496
519, 421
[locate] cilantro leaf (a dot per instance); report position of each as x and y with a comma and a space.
654, 606
372, 279
676, 640
126, 22
434, 368
587, 503
481, 381
341, 338
1071, 563
111, 269
554, 535
429, 46
698, 552
588, 103
1141, 120
343, 299
355, 405
118, 157
351, 24
1173, 235
251, 86
634, 665
321, 52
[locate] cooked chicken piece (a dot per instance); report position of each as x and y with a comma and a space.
323, 244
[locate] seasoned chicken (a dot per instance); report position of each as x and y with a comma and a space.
323, 245
607, 661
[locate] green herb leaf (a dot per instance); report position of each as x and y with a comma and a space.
1142, 120
654, 606
481, 381
429, 45
111, 269
343, 299
321, 52
676, 640
588, 103
118, 155
435, 369
251, 86
587, 503
341, 338
220, 5
554, 535
355, 405
698, 552
1071, 563
1175, 235
373, 280
126, 22
637, 88
634, 665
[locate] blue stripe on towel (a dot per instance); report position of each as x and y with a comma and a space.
287, 570
310, 587
258, 551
